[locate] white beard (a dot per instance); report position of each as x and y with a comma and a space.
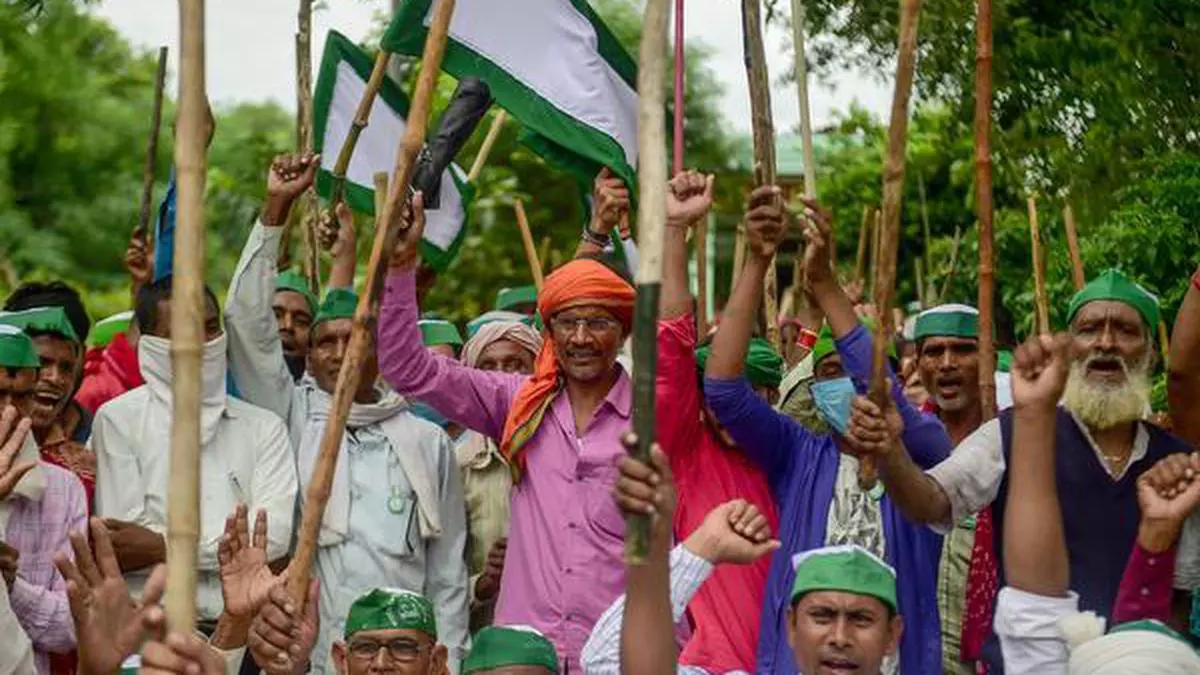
1103, 406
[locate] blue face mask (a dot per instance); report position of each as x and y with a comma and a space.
426, 412
833, 399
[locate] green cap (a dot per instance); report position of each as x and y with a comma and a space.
947, 321
390, 609
108, 328
41, 320
291, 281
500, 646
16, 349
851, 569
826, 345
764, 366
439, 332
493, 316
340, 303
1112, 285
1004, 359
508, 298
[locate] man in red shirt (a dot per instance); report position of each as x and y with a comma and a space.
708, 470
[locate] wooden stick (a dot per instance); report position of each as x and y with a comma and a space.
1164, 341
806, 132
893, 194
680, 71
1073, 247
925, 238
365, 316
651, 219
544, 251
875, 232
148, 169
864, 231
1039, 273
954, 247
187, 324
739, 255
983, 205
380, 180
535, 266
304, 142
755, 58
362, 117
919, 272
486, 148
702, 235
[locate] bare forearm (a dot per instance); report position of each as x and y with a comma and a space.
918, 496
231, 632
137, 557
1183, 384
832, 301
676, 300
341, 275
733, 338
647, 633
1035, 550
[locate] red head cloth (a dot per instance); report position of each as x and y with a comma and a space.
578, 283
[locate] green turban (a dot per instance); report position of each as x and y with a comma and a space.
947, 321
850, 569
1112, 285
391, 609
108, 328
508, 298
290, 281
439, 332
16, 349
500, 646
764, 366
41, 320
340, 303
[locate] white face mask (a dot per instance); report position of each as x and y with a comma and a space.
154, 361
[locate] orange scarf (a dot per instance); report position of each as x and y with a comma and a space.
578, 283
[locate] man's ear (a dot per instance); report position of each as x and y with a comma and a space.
439, 664
896, 630
791, 627
339, 657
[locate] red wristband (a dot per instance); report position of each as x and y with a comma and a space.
807, 338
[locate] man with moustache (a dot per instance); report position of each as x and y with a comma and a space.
1103, 445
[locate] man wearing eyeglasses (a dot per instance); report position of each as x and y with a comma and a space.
559, 429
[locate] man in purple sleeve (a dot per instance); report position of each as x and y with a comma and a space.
559, 428
814, 477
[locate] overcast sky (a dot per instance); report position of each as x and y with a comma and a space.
251, 53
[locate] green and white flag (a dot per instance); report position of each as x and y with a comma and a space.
552, 64
341, 81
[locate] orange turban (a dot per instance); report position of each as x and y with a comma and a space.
578, 283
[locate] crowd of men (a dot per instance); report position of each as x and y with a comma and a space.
476, 518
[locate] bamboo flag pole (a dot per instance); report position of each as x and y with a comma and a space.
893, 193
486, 148
983, 205
148, 169
754, 55
1039, 272
187, 324
304, 141
362, 117
651, 219
864, 231
535, 266
367, 312
1073, 247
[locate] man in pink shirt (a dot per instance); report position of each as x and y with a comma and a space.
559, 428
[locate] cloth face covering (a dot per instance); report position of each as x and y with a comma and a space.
833, 399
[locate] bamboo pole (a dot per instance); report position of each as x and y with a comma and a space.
1164, 341
680, 71
651, 219
919, 273
1073, 246
362, 116
366, 314
925, 238
304, 142
148, 169
544, 252
380, 180
1039, 272
535, 266
878, 229
800, 58
954, 248
983, 205
755, 58
893, 194
702, 235
486, 148
187, 324
864, 231
739, 255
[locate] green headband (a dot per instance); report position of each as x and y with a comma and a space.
290, 281
340, 303
41, 320
1112, 285
764, 366
439, 332
391, 609
16, 349
851, 569
508, 298
947, 321
108, 328
500, 646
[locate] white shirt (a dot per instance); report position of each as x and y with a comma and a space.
16, 651
1027, 626
249, 461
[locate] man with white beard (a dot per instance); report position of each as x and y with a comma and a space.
1102, 442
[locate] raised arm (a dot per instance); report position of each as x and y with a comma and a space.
1183, 368
689, 198
610, 203
474, 398
344, 250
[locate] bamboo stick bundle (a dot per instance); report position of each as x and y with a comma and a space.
1073, 247
864, 231
531, 256
367, 312
893, 193
187, 324
486, 148
149, 168
362, 116
755, 58
1039, 273
651, 219
983, 205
